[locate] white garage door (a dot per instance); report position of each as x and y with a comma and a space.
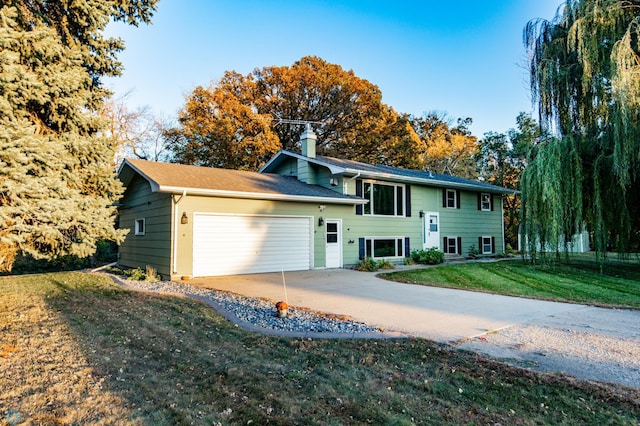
227, 245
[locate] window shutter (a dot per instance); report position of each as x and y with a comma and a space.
407, 247
445, 244
493, 245
407, 198
444, 197
459, 245
359, 194
457, 199
479, 200
491, 201
480, 245
361, 253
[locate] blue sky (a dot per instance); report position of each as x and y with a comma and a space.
463, 58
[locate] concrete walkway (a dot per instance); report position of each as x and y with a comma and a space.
440, 314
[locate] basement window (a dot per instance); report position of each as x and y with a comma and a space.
453, 245
384, 247
487, 245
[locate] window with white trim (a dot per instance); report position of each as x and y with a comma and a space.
451, 199
139, 227
485, 202
384, 199
452, 245
384, 247
487, 245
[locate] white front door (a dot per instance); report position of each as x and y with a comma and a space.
431, 230
333, 240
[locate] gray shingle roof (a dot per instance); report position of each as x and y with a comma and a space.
175, 178
398, 173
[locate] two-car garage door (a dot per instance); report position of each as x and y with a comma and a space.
247, 244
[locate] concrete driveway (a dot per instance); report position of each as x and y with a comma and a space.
583, 341
440, 314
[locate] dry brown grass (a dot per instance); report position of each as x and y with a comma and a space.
76, 349
45, 376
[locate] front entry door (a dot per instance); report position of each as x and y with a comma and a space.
333, 240
431, 230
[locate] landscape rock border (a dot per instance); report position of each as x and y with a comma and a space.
258, 315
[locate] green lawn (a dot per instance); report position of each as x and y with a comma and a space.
579, 280
76, 349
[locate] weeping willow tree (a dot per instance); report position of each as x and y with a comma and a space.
585, 79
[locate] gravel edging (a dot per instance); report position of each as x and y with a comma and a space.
258, 315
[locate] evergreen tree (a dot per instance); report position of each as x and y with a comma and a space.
585, 77
57, 183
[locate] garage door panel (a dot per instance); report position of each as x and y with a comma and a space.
224, 245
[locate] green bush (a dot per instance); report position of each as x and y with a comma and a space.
386, 264
136, 274
432, 256
474, 253
106, 252
408, 261
367, 265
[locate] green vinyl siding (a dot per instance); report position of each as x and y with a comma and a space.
154, 247
308, 171
289, 167
469, 223
200, 204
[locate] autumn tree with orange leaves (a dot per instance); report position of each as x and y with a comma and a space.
242, 121
447, 149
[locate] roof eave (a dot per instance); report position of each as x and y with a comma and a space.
259, 195
337, 170
154, 185
430, 182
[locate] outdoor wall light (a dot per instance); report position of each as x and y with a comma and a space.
184, 219
320, 221
421, 213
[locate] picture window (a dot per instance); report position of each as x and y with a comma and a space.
384, 199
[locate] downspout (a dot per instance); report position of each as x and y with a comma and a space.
175, 232
504, 248
344, 183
